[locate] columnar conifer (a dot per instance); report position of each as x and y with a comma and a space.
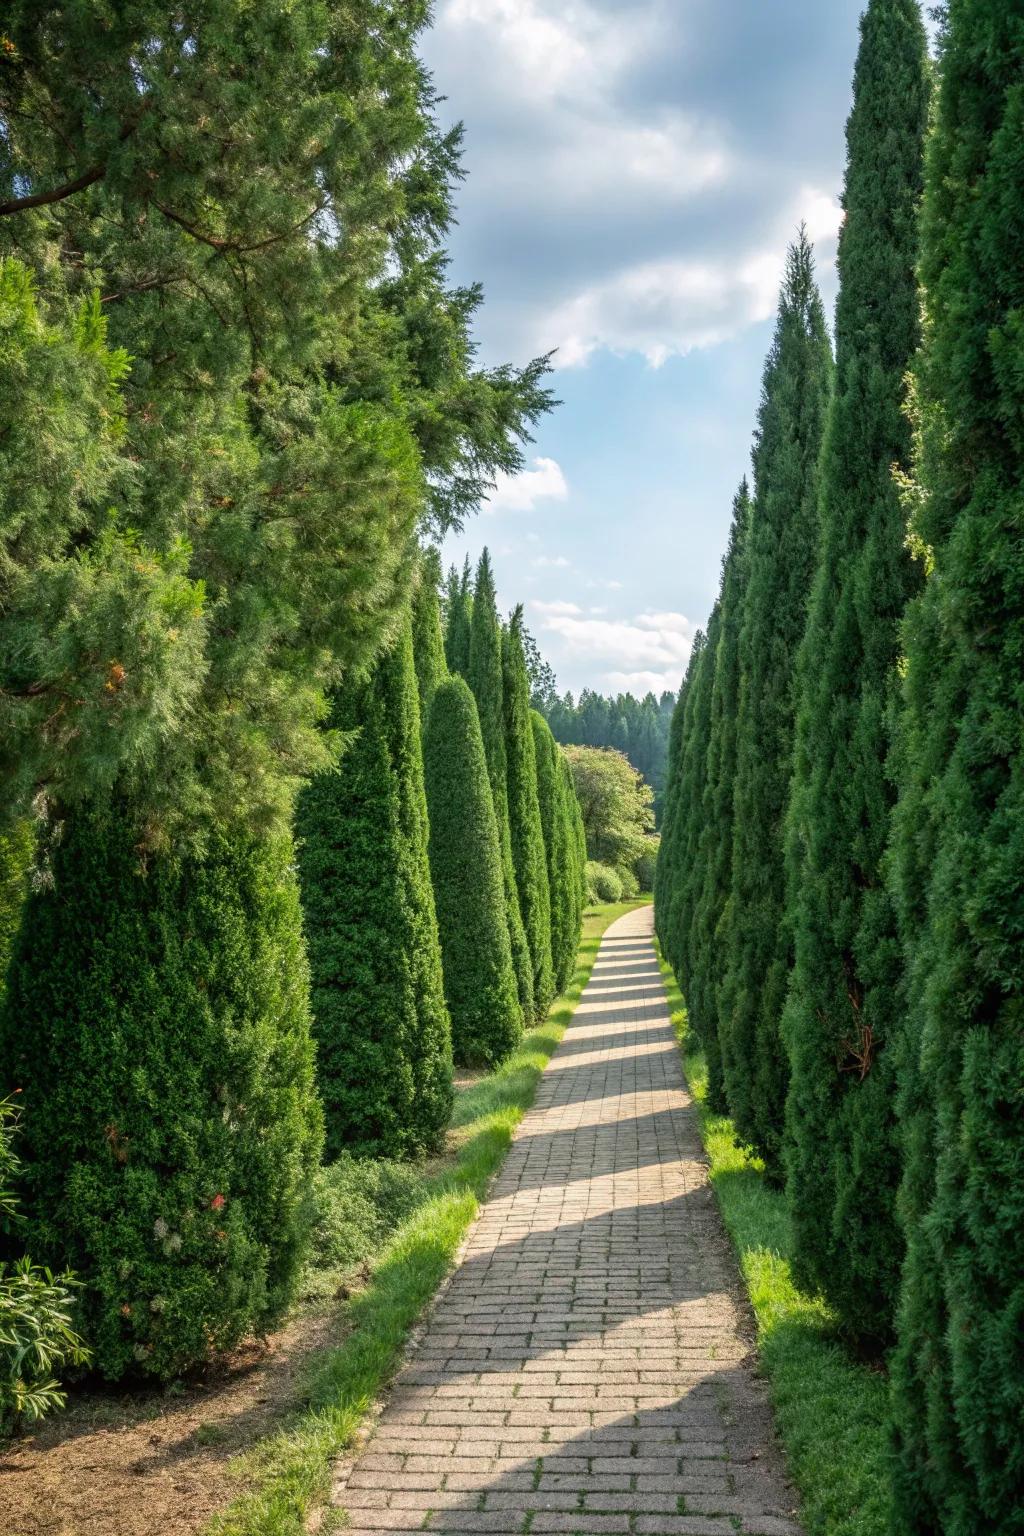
671, 870
458, 617
714, 849
845, 996
958, 848
156, 1022
381, 1025
795, 393
560, 853
427, 634
528, 857
465, 863
485, 678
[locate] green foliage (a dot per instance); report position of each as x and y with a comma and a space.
615, 804
223, 529
783, 532
357, 1202
427, 636
17, 849
639, 728
485, 676
958, 843
603, 883
157, 1022
458, 617
560, 852
381, 1026
647, 864
465, 864
845, 998
528, 856
36, 1336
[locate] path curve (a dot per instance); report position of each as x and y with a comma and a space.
588, 1368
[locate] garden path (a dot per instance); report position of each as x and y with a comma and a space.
588, 1369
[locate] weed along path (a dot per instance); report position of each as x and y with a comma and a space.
588, 1367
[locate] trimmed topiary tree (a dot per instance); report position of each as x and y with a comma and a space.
560, 852
156, 1023
845, 998
783, 534
958, 839
528, 857
384, 1049
465, 864
486, 679
427, 634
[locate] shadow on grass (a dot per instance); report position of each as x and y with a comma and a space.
830, 1410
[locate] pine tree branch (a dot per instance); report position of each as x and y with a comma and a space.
56, 194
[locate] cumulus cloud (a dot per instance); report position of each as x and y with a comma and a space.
521, 493
649, 646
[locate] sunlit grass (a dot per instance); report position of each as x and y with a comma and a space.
831, 1411
289, 1473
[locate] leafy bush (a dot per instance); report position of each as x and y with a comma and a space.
603, 882
630, 885
36, 1336
157, 1019
356, 1204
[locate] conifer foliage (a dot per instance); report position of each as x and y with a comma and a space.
427, 632
528, 855
958, 848
157, 1024
371, 925
783, 534
465, 864
845, 995
562, 826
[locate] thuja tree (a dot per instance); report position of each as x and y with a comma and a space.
958, 846
458, 615
486, 679
381, 1026
427, 633
845, 998
671, 869
664, 871
528, 856
795, 393
714, 848
560, 846
465, 863
170, 1121
694, 868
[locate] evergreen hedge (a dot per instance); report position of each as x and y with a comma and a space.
381, 1025
958, 845
157, 1024
465, 864
845, 997
527, 837
486, 678
560, 847
797, 382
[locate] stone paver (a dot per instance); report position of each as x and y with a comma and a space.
588, 1369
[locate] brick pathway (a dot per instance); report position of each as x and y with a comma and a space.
587, 1369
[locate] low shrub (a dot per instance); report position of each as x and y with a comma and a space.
603, 882
647, 863
356, 1204
630, 885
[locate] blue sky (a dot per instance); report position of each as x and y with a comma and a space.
636, 169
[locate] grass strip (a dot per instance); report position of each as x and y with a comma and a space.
289, 1474
831, 1411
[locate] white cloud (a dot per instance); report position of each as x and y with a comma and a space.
557, 562
639, 683
555, 608
520, 493
655, 643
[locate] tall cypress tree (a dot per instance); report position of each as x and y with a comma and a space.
560, 850
844, 999
528, 857
379, 1015
696, 735
427, 634
577, 839
485, 678
787, 448
175, 990
714, 847
665, 869
458, 619
465, 862
958, 842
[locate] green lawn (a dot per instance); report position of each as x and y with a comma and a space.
831, 1412
288, 1475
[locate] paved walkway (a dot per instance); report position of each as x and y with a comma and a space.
587, 1370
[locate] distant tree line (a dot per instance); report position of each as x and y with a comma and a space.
638, 728
841, 885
